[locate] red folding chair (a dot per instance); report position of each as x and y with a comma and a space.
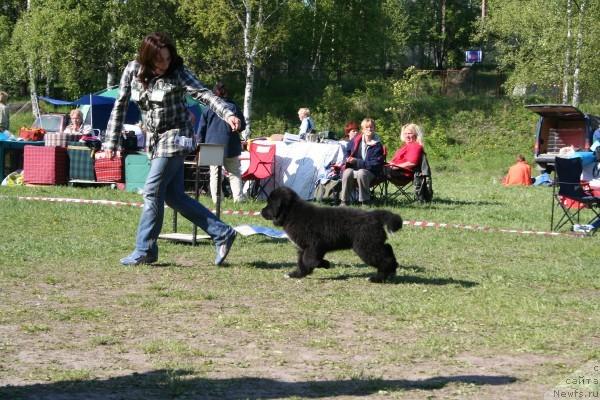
261, 169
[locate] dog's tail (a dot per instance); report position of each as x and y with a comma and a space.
391, 221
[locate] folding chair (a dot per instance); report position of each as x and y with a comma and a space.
412, 186
261, 169
379, 185
572, 196
423, 182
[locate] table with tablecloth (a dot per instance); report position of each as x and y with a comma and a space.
298, 165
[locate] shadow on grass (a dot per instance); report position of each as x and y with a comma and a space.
435, 202
401, 279
162, 384
454, 202
267, 265
432, 281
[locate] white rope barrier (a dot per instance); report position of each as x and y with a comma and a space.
416, 223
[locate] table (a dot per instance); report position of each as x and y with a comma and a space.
16, 147
298, 165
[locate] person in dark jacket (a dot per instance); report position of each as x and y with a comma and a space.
364, 162
213, 129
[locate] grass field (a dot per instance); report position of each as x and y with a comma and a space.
473, 313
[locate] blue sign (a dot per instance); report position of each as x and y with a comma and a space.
473, 56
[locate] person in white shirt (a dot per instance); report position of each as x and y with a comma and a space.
306, 123
76, 126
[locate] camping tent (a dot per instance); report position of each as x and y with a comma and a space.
96, 109
194, 106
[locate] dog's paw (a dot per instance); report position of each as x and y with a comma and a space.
296, 274
376, 279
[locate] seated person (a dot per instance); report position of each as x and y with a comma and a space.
76, 125
350, 132
518, 174
306, 125
364, 162
407, 157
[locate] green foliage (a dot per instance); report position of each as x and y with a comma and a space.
530, 41
405, 94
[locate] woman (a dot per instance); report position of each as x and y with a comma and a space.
364, 162
213, 129
158, 82
408, 156
76, 124
350, 132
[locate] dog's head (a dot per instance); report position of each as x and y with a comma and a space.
279, 204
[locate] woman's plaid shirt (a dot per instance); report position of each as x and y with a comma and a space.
162, 103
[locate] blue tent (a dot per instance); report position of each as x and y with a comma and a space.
194, 106
96, 109
100, 108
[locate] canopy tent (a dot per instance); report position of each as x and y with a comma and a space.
96, 109
100, 108
194, 106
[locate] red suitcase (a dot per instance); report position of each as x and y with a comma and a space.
45, 165
109, 169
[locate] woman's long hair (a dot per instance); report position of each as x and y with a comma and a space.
148, 52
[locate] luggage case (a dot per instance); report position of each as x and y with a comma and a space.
60, 139
137, 166
108, 169
81, 163
45, 165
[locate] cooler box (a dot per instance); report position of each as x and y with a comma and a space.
108, 169
60, 139
45, 165
81, 163
137, 166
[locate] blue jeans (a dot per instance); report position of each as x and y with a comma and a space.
165, 184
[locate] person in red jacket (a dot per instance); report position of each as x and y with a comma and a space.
407, 157
518, 174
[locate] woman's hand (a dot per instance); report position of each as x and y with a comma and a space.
234, 122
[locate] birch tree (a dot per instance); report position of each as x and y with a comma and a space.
236, 34
530, 40
567, 66
578, 51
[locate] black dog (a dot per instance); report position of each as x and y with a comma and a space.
318, 230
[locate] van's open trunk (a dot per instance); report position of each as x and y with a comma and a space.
560, 125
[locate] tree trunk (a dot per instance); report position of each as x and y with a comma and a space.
111, 77
317, 58
32, 86
248, 94
567, 66
483, 10
577, 63
440, 47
